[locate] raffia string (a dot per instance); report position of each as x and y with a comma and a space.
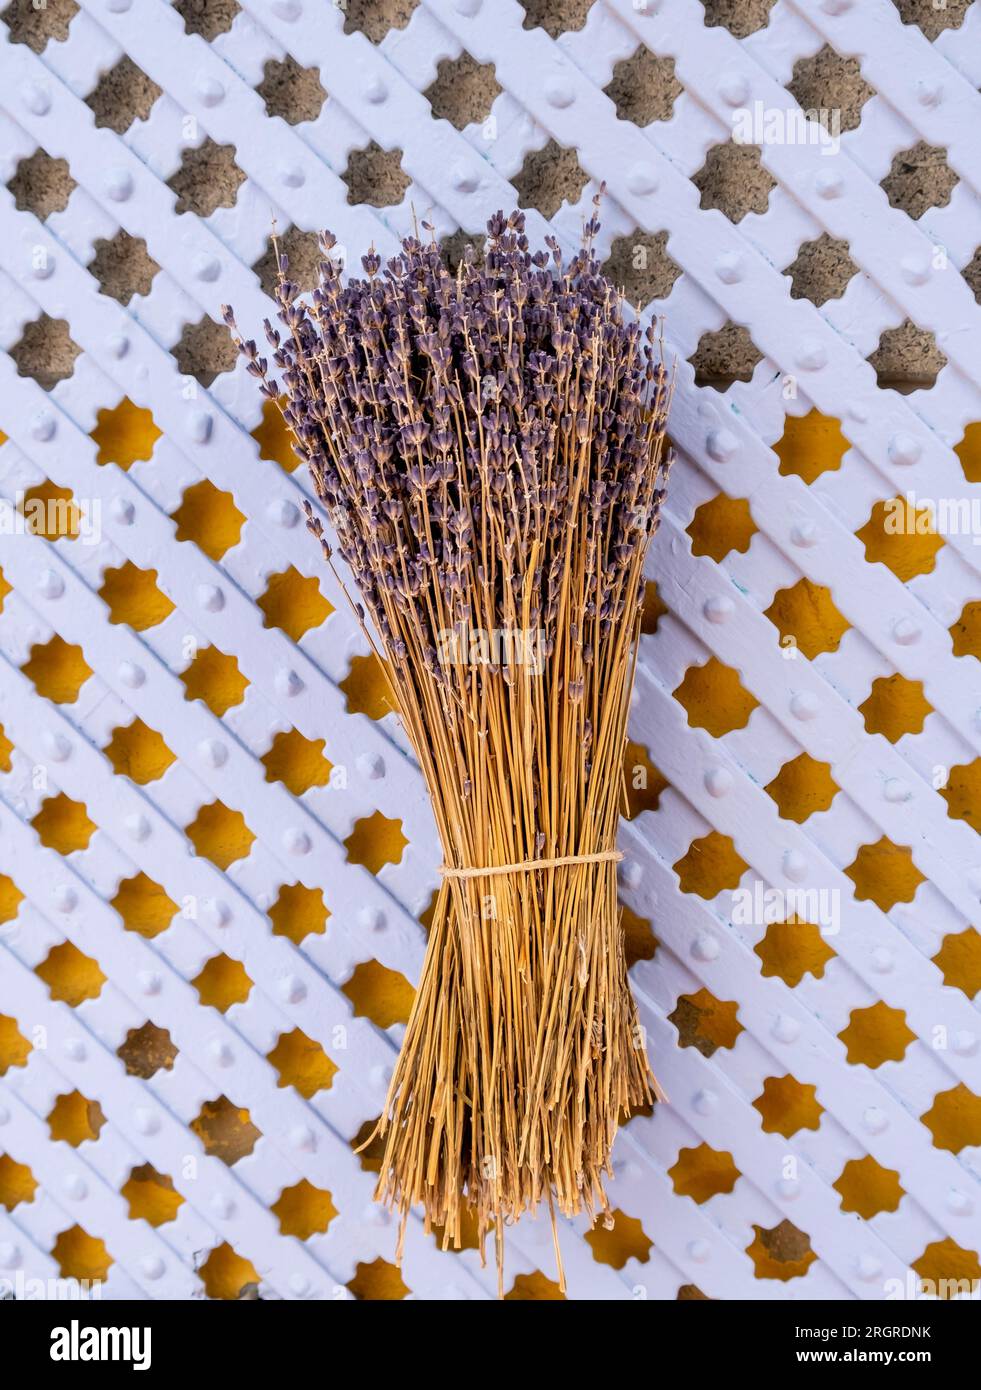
606, 856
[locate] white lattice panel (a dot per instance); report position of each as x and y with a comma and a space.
823, 1132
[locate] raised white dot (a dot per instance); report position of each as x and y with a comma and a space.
43, 426
699, 1251
897, 789
293, 176
292, 989
299, 1285
137, 826
287, 682
75, 1050
380, 1077
9, 1255
466, 7
118, 184
835, 6
883, 960
706, 1102
372, 919
629, 873
211, 597
222, 1206
829, 184
374, 90
868, 1266
65, 898
132, 675
875, 1120
200, 423
805, 534
206, 267
371, 765
75, 1186
287, 9
721, 445
705, 947
283, 512
213, 752
785, 1029
36, 98
50, 584
959, 1202
215, 912
302, 1137
730, 268
118, 6
718, 608
146, 1121
149, 982
296, 841
915, 269
559, 92
906, 632
788, 1189
718, 781
794, 866
464, 178
209, 89
734, 88
44, 267
929, 91
812, 356
904, 449
965, 1043
117, 345
805, 705
222, 1053
152, 1266
57, 747
641, 178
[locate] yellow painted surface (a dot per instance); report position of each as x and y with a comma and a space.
138, 752
293, 603
802, 787
220, 834
867, 1188
793, 949
70, 975
75, 1119
720, 526
302, 1063
877, 1034
222, 982
133, 597
124, 434
710, 865
385, 996
806, 617
81, 1256
299, 912
885, 873
209, 518
812, 444
215, 678
714, 698
58, 670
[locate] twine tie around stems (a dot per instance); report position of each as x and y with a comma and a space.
528, 865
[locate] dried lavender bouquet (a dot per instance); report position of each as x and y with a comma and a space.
489, 450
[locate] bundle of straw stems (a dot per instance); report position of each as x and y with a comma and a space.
489, 450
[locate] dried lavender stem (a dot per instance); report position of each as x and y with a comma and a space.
489, 450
